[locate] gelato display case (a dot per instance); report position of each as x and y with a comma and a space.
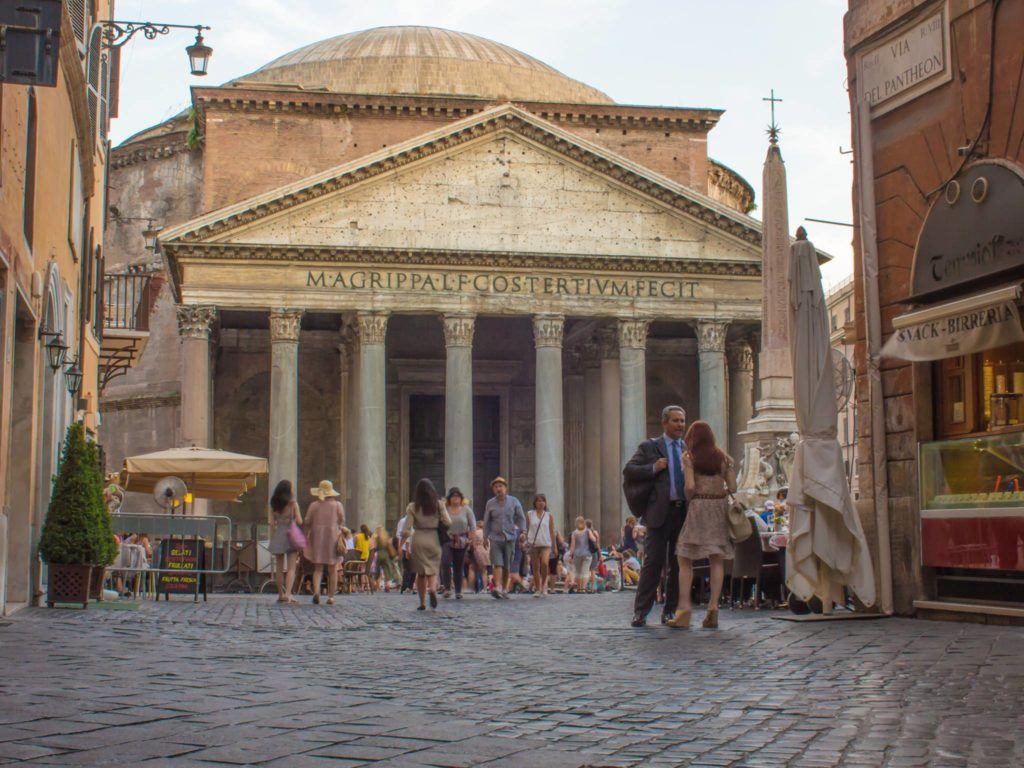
972, 502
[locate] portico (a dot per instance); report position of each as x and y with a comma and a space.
528, 298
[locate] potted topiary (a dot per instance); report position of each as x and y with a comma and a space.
77, 535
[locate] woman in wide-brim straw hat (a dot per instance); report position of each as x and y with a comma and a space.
324, 520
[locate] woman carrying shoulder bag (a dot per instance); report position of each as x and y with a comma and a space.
709, 479
459, 532
540, 537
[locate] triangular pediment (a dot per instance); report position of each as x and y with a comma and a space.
503, 181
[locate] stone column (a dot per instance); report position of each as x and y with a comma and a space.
352, 435
195, 324
711, 359
611, 461
458, 402
284, 397
574, 417
371, 328
549, 426
633, 394
346, 358
741, 394
592, 483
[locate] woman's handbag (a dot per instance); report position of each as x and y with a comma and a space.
296, 538
739, 523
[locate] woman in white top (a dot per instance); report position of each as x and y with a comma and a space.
540, 536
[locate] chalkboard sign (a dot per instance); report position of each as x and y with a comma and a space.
180, 561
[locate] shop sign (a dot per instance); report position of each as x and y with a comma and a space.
967, 325
974, 231
906, 64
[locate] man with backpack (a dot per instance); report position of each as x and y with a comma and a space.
653, 484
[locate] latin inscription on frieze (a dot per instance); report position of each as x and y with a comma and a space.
499, 283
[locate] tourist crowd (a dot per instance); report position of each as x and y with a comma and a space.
682, 489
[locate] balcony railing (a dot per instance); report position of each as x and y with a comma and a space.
127, 301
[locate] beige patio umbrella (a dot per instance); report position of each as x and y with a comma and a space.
826, 548
208, 473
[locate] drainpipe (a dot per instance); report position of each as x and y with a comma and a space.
873, 322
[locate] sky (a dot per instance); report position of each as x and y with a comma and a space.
726, 54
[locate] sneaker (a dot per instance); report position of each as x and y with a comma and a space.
496, 594
316, 599
458, 595
538, 594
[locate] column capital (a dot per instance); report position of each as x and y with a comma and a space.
285, 324
371, 327
711, 335
741, 356
195, 321
633, 333
458, 330
547, 330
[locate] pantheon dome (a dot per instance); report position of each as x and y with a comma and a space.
423, 61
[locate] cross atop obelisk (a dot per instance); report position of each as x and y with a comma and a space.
773, 127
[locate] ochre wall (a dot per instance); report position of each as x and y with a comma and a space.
915, 152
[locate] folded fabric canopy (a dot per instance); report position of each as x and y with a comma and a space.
208, 473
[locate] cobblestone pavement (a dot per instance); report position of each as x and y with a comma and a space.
557, 682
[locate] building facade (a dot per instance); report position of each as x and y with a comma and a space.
939, 201
840, 304
52, 171
409, 252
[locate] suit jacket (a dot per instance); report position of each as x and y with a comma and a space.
641, 467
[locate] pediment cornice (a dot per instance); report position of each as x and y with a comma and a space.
505, 118
314, 254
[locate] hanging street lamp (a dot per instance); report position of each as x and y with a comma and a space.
56, 349
199, 54
73, 377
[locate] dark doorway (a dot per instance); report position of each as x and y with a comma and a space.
486, 448
426, 440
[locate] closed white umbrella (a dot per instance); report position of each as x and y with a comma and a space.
826, 548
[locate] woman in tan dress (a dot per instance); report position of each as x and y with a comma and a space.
324, 520
423, 515
709, 478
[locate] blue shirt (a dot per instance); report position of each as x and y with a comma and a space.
503, 521
673, 468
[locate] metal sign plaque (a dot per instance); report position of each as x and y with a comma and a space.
974, 231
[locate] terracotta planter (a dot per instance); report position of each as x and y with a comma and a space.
68, 584
96, 582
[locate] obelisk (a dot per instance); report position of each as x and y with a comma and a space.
765, 466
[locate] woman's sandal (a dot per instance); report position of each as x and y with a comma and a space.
710, 619
681, 620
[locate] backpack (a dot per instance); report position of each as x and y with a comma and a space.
637, 493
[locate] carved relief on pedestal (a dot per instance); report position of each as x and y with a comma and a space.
547, 330
195, 321
285, 324
711, 335
633, 334
741, 357
371, 327
458, 330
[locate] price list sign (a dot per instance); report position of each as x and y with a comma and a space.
180, 563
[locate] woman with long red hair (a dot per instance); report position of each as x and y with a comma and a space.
709, 478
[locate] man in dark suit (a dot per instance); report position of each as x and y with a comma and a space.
659, 460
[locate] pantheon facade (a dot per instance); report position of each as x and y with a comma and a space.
409, 252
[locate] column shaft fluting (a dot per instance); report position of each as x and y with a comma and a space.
284, 397
592, 480
633, 392
741, 395
549, 423
371, 489
711, 361
611, 460
458, 402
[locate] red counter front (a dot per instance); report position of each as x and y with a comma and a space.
980, 539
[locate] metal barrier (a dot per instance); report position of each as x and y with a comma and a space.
181, 541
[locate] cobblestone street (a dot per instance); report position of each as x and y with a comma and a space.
559, 682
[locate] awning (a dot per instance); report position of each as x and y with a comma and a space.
971, 324
209, 474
